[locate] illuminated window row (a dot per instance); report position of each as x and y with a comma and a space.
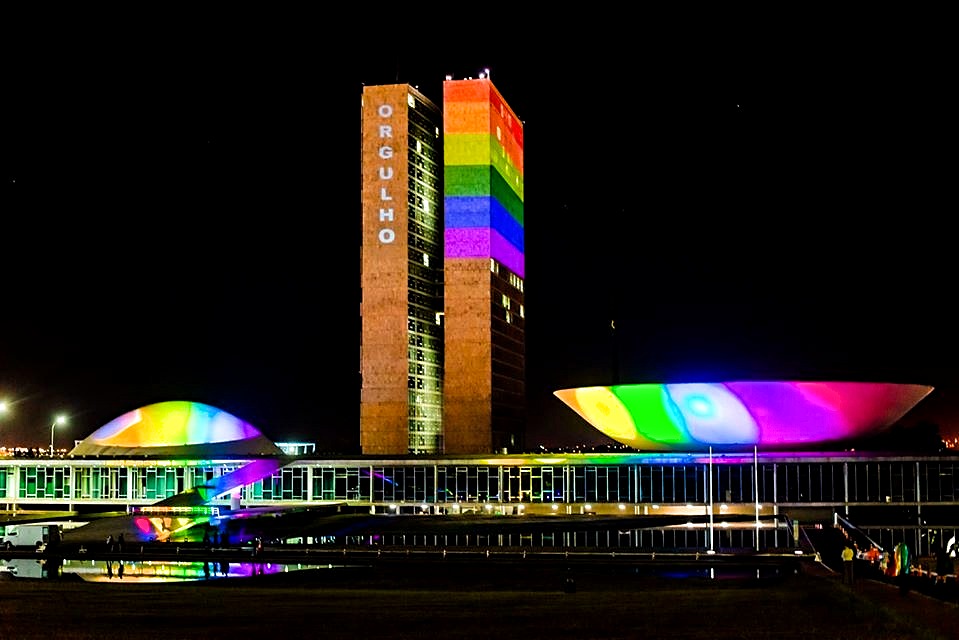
807, 482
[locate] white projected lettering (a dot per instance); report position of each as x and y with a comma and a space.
386, 233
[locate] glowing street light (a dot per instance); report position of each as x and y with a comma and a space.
61, 419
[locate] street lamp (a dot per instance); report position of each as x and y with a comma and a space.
59, 420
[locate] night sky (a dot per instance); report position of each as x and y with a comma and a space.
180, 221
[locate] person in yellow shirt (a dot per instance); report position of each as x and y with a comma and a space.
848, 555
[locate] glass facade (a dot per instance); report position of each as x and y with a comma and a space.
579, 479
425, 280
891, 498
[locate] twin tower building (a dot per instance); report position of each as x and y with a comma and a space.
443, 347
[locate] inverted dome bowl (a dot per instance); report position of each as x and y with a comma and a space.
771, 414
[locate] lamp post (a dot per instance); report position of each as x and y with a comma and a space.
58, 420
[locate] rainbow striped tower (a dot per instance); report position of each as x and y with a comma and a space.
483, 170
485, 370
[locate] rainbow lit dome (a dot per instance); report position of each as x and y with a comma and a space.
770, 414
178, 428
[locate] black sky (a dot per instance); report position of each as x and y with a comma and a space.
180, 220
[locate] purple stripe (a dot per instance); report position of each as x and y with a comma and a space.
480, 242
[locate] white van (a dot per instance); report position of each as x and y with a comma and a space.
28, 536
24, 568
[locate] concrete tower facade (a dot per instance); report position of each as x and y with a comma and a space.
401, 265
484, 398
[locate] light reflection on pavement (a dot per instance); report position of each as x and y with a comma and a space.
152, 571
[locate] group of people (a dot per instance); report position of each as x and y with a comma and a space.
894, 565
221, 568
115, 544
209, 542
119, 569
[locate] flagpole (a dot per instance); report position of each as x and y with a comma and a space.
756, 489
711, 548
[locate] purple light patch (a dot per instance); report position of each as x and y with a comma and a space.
480, 242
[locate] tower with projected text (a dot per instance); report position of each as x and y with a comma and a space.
484, 398
401, 264
442, 355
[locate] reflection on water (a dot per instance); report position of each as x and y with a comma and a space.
724, 573
164, 571
147, 571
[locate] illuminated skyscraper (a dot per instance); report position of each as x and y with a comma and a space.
443, 307
485, 346
401, 351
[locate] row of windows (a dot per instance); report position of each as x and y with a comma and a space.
512, 318
107, 483
427, 316
425, 272
423, 383
425, 287
421, 426
425, 241
419, 202
427, 186
428, 302
424, 355
425, 162
508, 305
420, 369
421, 218
425, 247
509, 353
426, 444
625, 539
429, 180
860, 482
424, 151
425, 339
422, 410
424, 117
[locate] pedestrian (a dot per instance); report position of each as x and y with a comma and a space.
943, 563
120, 542
110, 542
848, 557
